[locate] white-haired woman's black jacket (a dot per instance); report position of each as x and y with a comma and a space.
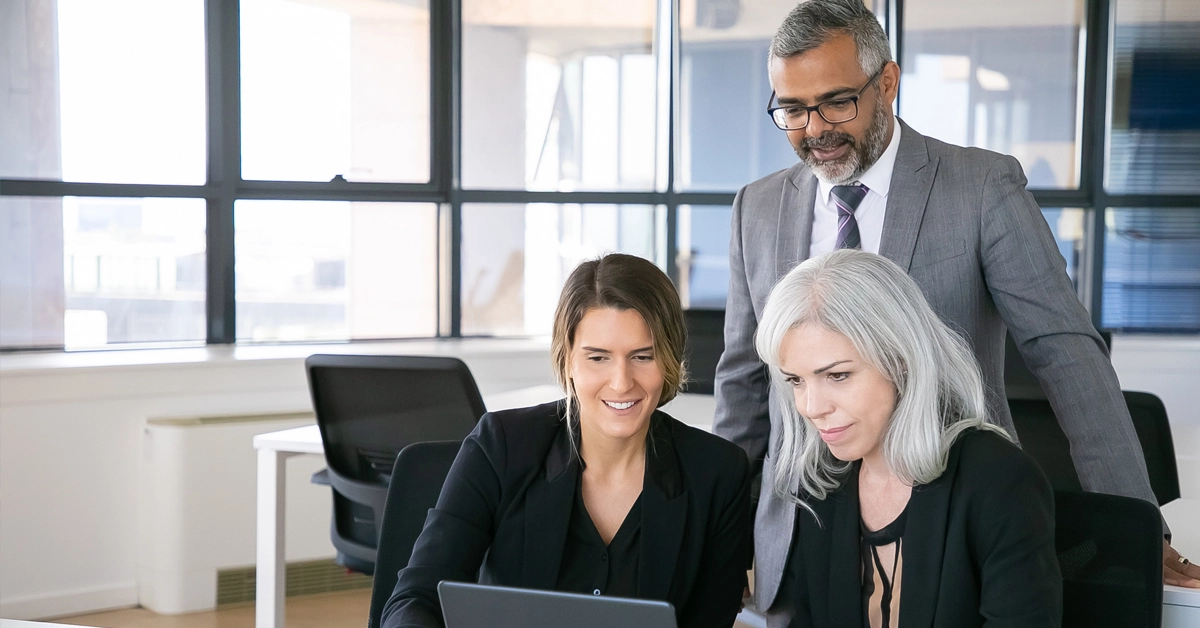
978, 547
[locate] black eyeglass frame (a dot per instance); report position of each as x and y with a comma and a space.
817, 107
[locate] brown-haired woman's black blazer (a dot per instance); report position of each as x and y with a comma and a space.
506, 505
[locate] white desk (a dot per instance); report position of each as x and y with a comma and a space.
275, 448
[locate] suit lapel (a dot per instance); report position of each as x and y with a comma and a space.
912, 179
923, 547
664, 513
548, 504
794, 234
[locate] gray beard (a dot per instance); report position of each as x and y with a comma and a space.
857, 160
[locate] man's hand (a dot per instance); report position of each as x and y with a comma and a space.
1177, 570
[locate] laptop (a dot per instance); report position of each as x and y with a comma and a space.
481, 606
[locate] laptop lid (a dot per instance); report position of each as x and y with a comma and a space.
481, 606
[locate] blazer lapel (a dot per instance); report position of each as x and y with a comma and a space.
664, 513
845, 571
912, 179
794, 235
829, 540
923, 546
548, 504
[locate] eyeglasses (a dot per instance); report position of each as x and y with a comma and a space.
796, 117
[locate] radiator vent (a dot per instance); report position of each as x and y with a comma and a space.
236, 585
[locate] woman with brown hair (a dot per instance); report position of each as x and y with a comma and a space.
601, 492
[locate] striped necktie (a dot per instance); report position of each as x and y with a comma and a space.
847, 198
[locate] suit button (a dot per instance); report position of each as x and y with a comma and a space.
604, 556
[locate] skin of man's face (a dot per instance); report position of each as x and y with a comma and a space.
827, 72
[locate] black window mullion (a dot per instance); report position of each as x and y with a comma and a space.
48, 187
1098, 18
895, 25
672, 48
340, 191
445, 22
1062, 198
222, 54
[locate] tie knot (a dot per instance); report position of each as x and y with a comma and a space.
848, 197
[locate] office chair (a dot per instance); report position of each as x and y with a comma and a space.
1154, 432
706, 342
1043, 438
417, 479
1110, 552
369, 407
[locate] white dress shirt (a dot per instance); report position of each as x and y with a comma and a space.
878, 179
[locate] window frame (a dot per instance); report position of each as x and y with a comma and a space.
225, 185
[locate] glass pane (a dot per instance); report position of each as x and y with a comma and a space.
87, 272
725, 138
703, 244
516, 257
559, 95
1068, 226
335, 88
108, 91
1152, 270
1154, 141
316, 270
997, 75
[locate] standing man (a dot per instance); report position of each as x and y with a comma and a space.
958, 219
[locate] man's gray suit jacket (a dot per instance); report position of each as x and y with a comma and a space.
960, 221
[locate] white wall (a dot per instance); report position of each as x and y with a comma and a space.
1168, 366
73, 428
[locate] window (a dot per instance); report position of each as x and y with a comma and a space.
321, 270
1001, 76
86, 273
1152, 270
85, 101
335, 90
288, 170
1069, 227
516, 258
559, 95
725, 138
703, 260
1154, 145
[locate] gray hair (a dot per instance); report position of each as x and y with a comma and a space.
814, 22
881, 310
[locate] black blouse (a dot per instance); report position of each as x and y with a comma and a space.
590, 566
873, 569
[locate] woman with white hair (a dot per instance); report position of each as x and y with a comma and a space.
916, 510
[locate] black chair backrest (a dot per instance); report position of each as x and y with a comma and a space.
1110, 553
1043, 438
1154, 432
417, 479
706, 342
369, 407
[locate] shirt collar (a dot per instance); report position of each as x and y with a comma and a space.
877, 178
